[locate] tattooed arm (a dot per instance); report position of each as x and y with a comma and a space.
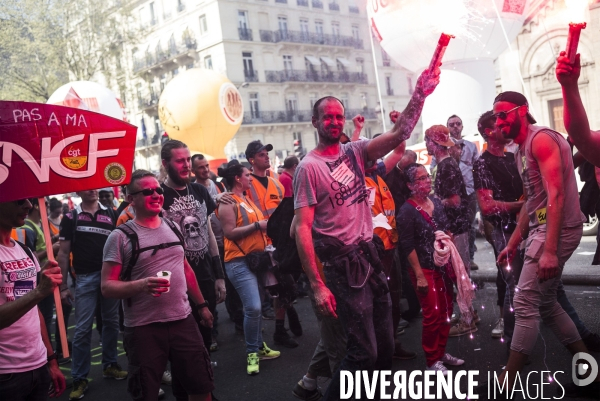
407, 120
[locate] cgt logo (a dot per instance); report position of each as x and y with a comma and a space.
584, 372
50, 158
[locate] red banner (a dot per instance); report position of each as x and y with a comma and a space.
47, 149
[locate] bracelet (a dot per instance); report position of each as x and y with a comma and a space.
202, 305
257, 226
53, 356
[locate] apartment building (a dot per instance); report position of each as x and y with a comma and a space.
283, 55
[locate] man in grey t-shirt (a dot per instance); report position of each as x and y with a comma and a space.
149, 298
331, 203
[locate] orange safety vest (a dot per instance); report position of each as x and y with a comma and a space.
246, 213
384, 204
127, 214
266, 199
18, 234
54, 230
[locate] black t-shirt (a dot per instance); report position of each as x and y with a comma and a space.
189, 209
501, 176
448, 182
263, 180
395, 181
418, 235
88, 239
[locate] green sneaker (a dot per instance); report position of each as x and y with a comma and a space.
79, 387
267, 353
114, 371
253, 359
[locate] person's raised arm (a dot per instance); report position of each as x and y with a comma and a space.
574, 114
393, 158
323, 297
489, 206
407, 120
359, 123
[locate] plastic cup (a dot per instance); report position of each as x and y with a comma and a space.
166, 275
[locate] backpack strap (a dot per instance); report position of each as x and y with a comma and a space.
27, 250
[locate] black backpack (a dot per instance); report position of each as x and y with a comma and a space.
136, 250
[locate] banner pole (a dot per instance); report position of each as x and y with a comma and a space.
57, 301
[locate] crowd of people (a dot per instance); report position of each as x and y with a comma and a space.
156, 266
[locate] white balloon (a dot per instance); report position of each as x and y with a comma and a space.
90, 96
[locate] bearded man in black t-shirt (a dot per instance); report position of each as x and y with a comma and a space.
189, 205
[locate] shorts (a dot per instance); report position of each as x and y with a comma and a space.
149, 347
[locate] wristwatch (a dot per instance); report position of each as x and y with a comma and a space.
202, 305
53, 356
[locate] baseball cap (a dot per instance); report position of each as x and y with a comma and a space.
256, 146
107, 189
440, 135
517, 99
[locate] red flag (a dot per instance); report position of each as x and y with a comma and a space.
48, 149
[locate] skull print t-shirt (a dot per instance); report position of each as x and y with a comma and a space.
190, 208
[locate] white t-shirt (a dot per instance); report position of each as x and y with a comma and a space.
21, 345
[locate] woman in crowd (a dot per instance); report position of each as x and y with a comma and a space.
244, 227
421, 216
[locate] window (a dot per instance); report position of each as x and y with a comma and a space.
313, 97
360, 65
555, 109
356, 32
287, 63
319, 29
138, 90
387, 62
175, 71
152, 15
304, 28
172, 45
189, 66
364, 101
208, 63
410, 85
248, 64
203, 25
254, 105
163, 82
388, 85
298, 136
291, 103
335, 29
282, 24
344, 100
243, 19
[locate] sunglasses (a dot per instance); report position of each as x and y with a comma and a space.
452, 125
503, 114
20, 202
149, 191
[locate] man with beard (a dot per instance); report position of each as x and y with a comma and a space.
467, 154
331, 202
552, 223
189, 205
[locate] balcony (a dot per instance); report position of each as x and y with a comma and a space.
245, 34
315, 76
148, 101
353, 9
317, 4
311, 38
281, 1
302, 3
250, 75
156, 59
334, 7
270, 117
369, 114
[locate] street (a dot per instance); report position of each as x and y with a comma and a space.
278, 377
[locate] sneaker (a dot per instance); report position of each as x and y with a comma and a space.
498, 330
592, 342
402, 354
474, 265
161, 393
303, 393
476, 318
455, 319
64, 361
281, 337
294, 321
267, 353
167, 378
114, 371
399, 332
268, 314
252, 367
462, 328
79, 387
214, 346
438, 367
403, 324
448, 359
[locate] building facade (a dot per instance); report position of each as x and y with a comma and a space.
282, 55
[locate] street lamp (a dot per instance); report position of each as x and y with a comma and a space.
243, 85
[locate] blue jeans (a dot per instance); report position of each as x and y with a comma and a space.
86, 295
246, 285
366, 317
31, 385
